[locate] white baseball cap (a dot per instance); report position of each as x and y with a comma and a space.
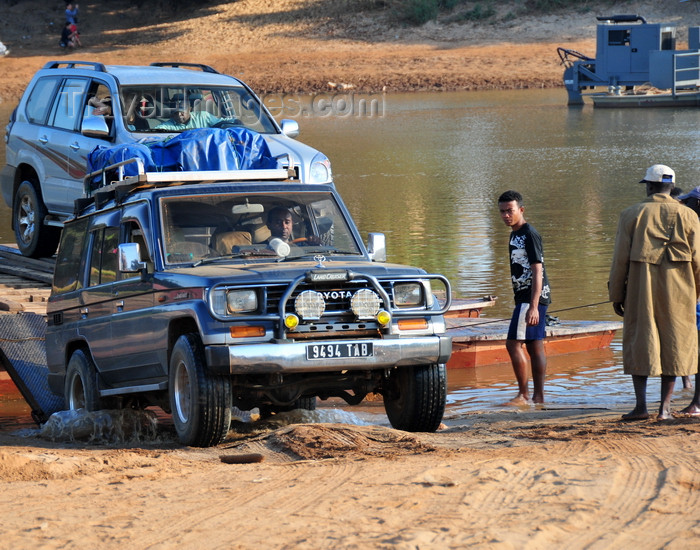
659, 173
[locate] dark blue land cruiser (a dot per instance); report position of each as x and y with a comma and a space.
170, 289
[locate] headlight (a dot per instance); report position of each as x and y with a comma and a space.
241, 301
310, 305
365, 303
320, 171
408, 294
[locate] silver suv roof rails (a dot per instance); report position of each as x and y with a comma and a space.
74, 65
177, 65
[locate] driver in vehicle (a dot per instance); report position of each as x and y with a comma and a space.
281, 223
184, 119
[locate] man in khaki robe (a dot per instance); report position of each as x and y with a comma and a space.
655, 282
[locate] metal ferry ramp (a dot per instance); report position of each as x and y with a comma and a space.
23, 355
22, 334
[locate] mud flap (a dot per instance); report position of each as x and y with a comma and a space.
23, 355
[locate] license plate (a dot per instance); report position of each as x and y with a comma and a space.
339, 351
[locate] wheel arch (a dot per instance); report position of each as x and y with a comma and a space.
71, 348
25, 172
178, 327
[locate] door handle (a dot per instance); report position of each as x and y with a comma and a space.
75, 146
120, 305
43, 140
84, 312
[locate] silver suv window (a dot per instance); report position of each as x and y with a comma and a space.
68, 106
39, 101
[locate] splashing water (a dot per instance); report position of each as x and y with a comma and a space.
105, 426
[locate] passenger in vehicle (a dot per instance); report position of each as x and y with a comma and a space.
102, 107
184, 119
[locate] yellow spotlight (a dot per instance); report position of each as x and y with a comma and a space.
384, 317
247, 331
412, 324
291, 321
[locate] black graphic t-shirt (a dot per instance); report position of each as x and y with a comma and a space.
525, 249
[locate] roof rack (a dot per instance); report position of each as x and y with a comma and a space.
72, 65
124, 185
177, 65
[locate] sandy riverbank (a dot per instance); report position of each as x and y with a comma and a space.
501, 480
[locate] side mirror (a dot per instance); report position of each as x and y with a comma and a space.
94, 125
376, 246
130, 258
290, 128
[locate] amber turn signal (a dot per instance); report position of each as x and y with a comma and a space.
247, 331
412, 324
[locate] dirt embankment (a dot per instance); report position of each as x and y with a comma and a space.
302, 45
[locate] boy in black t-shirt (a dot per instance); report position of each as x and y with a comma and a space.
531, 290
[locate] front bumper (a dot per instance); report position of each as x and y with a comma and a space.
290, 357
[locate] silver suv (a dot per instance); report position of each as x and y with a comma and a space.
72, 107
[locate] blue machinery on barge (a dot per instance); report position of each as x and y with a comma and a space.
631, 53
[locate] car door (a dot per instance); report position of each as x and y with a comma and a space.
63, 174
97, 297
137, 332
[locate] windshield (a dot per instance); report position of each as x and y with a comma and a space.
265, 226
158, 109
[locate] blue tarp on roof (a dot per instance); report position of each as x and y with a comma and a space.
191, 150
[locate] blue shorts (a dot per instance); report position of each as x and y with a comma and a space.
519, 329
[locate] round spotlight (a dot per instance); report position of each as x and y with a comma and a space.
365, 303
310, 305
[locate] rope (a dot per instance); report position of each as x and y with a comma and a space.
27, 339
490, 321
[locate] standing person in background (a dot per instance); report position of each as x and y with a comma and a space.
72, 19
71, 13
677, 193
692, 201
654, 283
532, 296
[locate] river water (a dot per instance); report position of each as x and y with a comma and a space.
426, 169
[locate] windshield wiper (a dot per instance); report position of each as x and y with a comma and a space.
242, 254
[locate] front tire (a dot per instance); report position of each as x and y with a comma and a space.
34, 239
81, 383
200, 403
415, 397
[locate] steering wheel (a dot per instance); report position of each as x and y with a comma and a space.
300, 240
230, 123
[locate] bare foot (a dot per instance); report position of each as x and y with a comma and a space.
691, 410
664, 416
636, 415
518, 401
